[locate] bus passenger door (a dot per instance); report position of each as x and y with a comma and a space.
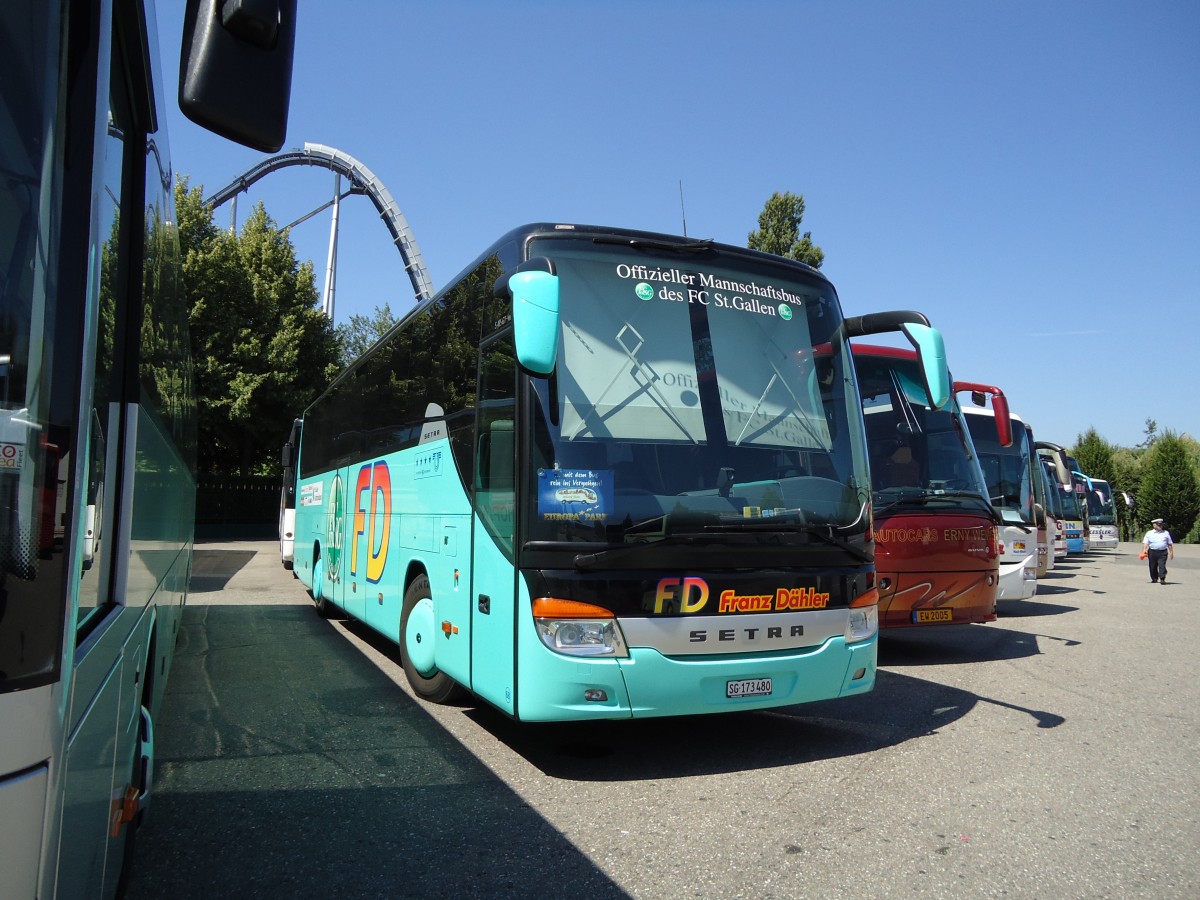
347, 582
494, 612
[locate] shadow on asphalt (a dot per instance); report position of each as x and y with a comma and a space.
901, 707
290, 766
213, 569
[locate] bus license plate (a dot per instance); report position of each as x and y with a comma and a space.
933, 615
748, 687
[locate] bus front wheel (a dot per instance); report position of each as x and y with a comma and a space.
418, 631
324, 606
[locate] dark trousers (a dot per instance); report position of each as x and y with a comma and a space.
1158, 564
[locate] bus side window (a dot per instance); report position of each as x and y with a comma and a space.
496, 456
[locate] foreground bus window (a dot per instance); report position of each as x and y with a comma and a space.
97, 439
935, 528
675, 519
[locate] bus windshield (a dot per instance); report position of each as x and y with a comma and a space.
690, 394
917, 452
1007, 470
1101, 509
1072, 508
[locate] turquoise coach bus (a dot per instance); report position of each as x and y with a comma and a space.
607, 474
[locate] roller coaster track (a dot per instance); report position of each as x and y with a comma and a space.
362, 180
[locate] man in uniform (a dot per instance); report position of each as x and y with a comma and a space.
1158, 546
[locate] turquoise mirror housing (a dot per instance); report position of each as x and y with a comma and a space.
536, 319
932, 351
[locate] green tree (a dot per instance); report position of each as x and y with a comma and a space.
1095, 455
262, 348
1151, 432
778, 231
1096, 458
1169, 486
358, 333
1127, 477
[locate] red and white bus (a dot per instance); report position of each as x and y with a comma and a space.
935, 530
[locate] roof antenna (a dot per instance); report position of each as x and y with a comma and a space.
682, 211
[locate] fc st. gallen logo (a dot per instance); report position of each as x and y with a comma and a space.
335, 524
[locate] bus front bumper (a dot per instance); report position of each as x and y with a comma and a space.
649, 684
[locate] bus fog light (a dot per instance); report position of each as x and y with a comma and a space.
595, 696
858, 674
583, 637
862, 624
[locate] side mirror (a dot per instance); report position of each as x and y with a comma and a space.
931, 350
289, 454
536, 320
235, 68
534, 289
1003, 420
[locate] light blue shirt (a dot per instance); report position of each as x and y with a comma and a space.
1158, 540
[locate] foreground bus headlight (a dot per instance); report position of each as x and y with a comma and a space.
864, 617
578, 629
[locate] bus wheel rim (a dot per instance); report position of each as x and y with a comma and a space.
419, 637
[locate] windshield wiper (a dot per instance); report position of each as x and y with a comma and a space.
609, 554
926, 498
824, 532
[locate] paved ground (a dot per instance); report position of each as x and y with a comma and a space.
1050, 754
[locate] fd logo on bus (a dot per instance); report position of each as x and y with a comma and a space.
372, 519
335, 524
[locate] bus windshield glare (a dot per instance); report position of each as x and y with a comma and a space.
690, 395
1007, 470
917, 452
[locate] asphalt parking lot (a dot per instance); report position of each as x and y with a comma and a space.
1052, 753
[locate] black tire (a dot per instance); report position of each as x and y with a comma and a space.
434, 686
325, 608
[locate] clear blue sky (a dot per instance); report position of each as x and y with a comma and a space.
1025, 173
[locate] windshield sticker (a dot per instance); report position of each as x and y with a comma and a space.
706, 289
574, 495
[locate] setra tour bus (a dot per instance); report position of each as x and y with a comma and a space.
97, 413
287, 497
935, 528
1046, 524
1072, 491
607, 474
1054, 505
1102, 516
1009, 472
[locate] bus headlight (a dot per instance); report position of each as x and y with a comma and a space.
578, 629
862, 624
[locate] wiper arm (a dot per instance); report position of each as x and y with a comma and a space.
926, 498
824, 532
584, 561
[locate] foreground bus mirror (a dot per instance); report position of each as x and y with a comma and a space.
932, 351
235, 68
536, 319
